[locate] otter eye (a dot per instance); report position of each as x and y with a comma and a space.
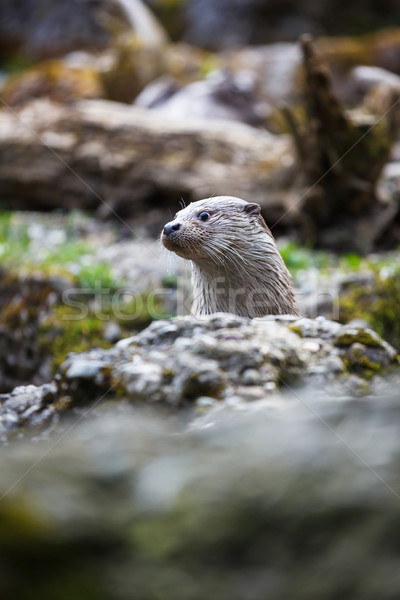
203, 216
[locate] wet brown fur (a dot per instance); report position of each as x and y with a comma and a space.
236, 266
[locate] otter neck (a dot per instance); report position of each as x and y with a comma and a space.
249, 290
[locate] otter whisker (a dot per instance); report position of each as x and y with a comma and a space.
230, 250
211, 253
224, 250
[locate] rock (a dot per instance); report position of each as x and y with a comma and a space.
43, 317
27, 408
220, 96
389, 184
275, 70
24, 304
125, 159
364, 78
374, 299
174, 363
133, 56
128, 501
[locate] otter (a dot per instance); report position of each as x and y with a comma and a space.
236, 266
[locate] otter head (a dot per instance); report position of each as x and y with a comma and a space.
236, 266
214, 230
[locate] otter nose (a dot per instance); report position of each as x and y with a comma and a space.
170, 228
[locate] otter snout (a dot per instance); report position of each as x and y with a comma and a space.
171, 228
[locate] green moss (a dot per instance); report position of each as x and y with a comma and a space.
14, 240
20, 521
98, 275
362, 366
358, 335
62, 332
352, 260
79, 326
296, 329
377, 303
15, 64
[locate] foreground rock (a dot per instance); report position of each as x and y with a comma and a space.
125, 158
295, 503
219, 361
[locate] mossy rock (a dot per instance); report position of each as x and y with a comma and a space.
377, 303
38, 329
358, 335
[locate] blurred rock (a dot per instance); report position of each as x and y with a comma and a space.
363, 78
24, 349
222, 95
297, 501
375, 299
27, 407
275, 70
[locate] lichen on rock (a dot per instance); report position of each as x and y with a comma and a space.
227, 359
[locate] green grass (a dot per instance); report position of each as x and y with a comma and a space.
298, 257
14, 241
72, 258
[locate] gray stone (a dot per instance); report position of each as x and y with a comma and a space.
174, 363
291, 499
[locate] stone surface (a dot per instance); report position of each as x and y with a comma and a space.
294, 501
222, 95
174, 364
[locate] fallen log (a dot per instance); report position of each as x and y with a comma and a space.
125, 159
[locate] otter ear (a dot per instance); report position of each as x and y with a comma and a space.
252, 209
